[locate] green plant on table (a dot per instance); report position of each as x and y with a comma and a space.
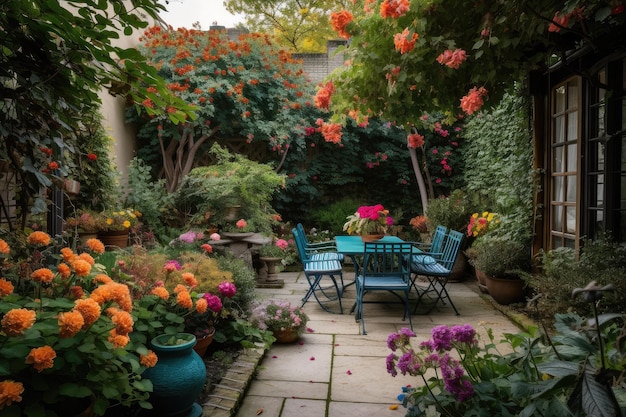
369, 220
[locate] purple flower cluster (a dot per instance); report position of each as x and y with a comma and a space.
434, 353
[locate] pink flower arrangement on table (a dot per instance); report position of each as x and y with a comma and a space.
369, 220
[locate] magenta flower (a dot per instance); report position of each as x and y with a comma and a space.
213, 302
227, 289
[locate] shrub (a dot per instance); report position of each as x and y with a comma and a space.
602, 260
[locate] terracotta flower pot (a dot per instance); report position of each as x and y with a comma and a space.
286, 336
114, 239
506, 290
372, 237
202, 344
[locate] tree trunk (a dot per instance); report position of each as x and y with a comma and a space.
420, 179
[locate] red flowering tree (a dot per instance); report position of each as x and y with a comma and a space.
246, 88
410, 58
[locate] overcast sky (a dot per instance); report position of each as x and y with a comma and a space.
184, 13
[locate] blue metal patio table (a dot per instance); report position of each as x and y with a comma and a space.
354, 247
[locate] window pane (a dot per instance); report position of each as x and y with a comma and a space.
600, 152
600, 191
623, 164
572, 126
571, 189
572, 94
571, 219
601, 127
569, 243
557, 193
559, 133
559, 99
557, 217
572, 157
599, 221
559, 165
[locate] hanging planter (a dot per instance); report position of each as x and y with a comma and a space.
72, 187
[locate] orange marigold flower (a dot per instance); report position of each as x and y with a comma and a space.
394, 8
118, 340
89, 309
42, 275
64, 270
148, 360
10, 391
70, 323
81, 267
189, 279
160, 292
103, 279
16, 321
38, 238
67, 254
123, 322
415, 140
183, 299
101, 294
339, 21
179, 288
41, 358
121, 295
53, 165
6, 287
473, 101
87, 258
4, 247
201, 305
95, 245
77, 291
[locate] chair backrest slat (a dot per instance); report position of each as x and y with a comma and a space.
436, 245
300, 245
451, 249
388, 258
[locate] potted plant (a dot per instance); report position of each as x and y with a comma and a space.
238, 230
86, 223
286, 321
117, 225
272, 255
370, 222
500, 259
64, 332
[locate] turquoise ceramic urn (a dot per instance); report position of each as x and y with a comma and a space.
178, 377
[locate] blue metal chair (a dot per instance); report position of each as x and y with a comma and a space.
436, 244
386, 267
315, 269
437, 267
317, 250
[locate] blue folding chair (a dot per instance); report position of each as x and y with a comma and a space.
317, 250
437, 267
386, 267
315, 269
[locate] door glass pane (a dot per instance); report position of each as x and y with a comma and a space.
572, 126
601, 128
570, 219
569, 243
557, 193
572, 157
559, 133
599, 220
557, 217
571, 189
559, 165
